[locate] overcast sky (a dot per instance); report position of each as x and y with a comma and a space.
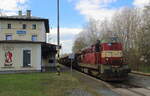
73, 14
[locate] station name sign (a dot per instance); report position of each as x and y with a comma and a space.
72, 56
21, 32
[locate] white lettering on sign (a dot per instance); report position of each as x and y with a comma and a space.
111, 54
71, 56
20, 32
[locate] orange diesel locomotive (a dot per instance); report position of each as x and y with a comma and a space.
104, 60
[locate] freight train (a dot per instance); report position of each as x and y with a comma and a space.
104, 60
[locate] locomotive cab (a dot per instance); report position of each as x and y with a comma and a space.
113, 66
105, 60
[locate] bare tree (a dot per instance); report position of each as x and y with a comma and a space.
131, 25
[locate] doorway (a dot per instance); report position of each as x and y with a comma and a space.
26, 58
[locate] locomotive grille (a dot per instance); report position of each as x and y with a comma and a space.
116, 61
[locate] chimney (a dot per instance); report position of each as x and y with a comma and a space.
28, 13
19, 13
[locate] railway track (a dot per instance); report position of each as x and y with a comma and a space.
127, 89
124, 88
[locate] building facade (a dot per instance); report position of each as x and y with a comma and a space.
22, 43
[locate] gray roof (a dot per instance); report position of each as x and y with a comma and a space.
27, 18
22, 17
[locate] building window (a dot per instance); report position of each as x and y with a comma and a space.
24, 26
9, 26
8, 37
34, 26
34, 37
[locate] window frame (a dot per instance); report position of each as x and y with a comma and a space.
9, 26
7, 38
34, 26
34, 38
24, 26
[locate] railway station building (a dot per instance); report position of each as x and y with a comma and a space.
23, 46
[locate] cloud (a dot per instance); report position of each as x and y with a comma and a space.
95, 9
63, 31
10, 7
67, 36
66, 46
140, 3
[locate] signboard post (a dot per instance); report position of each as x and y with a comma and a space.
71, 57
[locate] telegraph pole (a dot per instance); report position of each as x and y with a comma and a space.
58, 41
58, 33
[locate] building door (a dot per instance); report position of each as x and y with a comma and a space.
26, 58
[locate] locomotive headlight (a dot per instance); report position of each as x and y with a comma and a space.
106, 59
121, 59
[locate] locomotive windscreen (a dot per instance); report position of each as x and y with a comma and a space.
111, 40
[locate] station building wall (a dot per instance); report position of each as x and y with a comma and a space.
11, 56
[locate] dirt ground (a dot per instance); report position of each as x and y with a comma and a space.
96, 85
140, 86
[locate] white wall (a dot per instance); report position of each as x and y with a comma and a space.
17, 51
17, 25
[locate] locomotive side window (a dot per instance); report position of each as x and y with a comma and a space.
97, 46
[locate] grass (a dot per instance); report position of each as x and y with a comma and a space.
40, 84
142, 68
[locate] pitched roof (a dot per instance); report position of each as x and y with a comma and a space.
27, 18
